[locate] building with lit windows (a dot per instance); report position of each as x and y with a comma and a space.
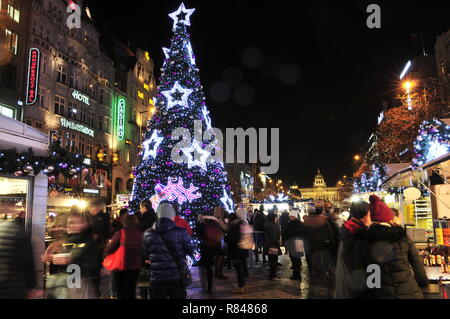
74, 97
320, 190
14, 15
133, 106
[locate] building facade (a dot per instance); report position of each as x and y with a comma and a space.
134, 89
14, 17
320, 190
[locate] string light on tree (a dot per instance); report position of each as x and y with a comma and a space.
201, 162
177, 94
151, 151
433, 141
177, 16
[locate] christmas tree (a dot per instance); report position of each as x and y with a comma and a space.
198, 183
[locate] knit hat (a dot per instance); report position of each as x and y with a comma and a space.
379, 211
165, 210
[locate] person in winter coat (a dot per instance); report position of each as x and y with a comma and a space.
147, 215
258, 226
237, 248
321, 236
272, 243
133, 239
283, 220
351, 266
393, 251
294, 233
210, 232
181, 222
17, 273
166, 247
219, 214
116, 224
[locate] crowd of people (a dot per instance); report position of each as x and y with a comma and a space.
337, 252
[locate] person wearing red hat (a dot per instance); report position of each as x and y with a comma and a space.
391, 249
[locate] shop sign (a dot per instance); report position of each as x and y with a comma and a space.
33, 76
77, 127
121, 118
122, 199
80, 97
90, 191
87, 161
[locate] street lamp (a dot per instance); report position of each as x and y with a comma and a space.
408, 85
357, 157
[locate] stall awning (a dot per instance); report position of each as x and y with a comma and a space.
19, 136
436, 161
401, 175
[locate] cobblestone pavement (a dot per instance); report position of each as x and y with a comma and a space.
259, 285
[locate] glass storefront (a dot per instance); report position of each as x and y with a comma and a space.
14, 194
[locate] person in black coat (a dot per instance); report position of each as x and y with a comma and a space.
147, 215
351, 266
17, 272
394, 252
258, 226
294, 232
166, 247
272, 243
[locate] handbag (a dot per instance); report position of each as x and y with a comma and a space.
185, 273
116, 260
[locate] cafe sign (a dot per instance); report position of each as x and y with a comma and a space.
76, 127
80, 97
33, 76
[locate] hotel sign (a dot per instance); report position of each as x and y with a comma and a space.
33, 76
80, 97
76, 127
121, 118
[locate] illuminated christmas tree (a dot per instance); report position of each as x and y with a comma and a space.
198, 183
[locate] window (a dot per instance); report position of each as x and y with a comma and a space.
11, 41
101, 96
14, 10
100, 123
107, 126
91, 119
6, 111
61, 73
34, 28
72, 110
81, 145
74, 80
9, 76
38, 125
41, 97
83, 115
59, 105
443, 68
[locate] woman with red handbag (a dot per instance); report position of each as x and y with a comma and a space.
124, 256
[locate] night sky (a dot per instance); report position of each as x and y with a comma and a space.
312, 69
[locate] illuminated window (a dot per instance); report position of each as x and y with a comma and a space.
140, 94
6, 111
14, 10
59, 105
11, 41
41, 97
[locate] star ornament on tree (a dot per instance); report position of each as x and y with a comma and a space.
182, 15
177, 95
192, 160
152, 151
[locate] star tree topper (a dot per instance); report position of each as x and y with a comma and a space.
177, 89
176, 16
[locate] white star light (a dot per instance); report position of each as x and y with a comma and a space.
227, 202
166, 52
185, 21
153, 139
203, 155
177, 88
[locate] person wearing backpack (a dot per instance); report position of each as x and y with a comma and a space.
210, 232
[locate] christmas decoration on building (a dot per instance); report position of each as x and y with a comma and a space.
197, 183
59, 161
432, 142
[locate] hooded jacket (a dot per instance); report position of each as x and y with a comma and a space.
402, 271
163, 268
351, 263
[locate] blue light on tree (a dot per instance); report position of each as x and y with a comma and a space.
432, 141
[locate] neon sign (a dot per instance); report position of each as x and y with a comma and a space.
77, 127
33, 76
80, 97
121, 118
